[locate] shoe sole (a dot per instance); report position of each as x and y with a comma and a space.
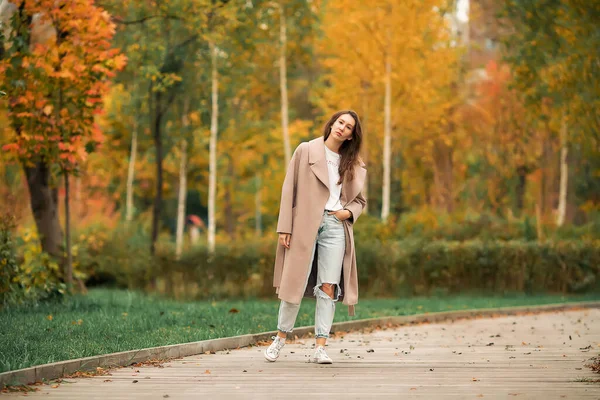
324, 362
268, 358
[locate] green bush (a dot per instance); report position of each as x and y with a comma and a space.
400, 268
28, 274
499, 267
8, 260
419, 264
119, 257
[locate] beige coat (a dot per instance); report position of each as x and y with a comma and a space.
303, 198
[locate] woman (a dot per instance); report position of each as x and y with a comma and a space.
320, 201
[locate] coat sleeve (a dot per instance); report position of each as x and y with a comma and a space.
288, 193
356, 207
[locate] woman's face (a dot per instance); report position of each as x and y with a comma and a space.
343, 127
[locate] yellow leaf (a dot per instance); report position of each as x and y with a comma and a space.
48, 109
49, 317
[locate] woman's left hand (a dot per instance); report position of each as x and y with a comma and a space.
342, 215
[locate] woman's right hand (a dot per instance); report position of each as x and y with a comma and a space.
284, 239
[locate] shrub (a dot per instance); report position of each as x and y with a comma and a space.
31, 274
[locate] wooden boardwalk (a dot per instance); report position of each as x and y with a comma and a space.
536, 356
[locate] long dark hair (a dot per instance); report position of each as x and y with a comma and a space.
350, 149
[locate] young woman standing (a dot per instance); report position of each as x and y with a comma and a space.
320, 201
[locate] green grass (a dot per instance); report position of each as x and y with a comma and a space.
107, 321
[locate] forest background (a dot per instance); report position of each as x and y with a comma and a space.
144, 143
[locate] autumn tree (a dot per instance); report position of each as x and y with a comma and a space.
55, 69
392, 62
550, 52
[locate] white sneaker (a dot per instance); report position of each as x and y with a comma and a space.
321, 356
272, 353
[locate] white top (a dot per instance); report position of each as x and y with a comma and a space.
335, 190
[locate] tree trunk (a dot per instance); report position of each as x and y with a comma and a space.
547, 184
520, 189
69, 260
212, 180
283, 84
258, 206
442, 174
44, 205
387, 140
159, 172
228, 206
182, 180
77, 205
574, 162
564, 174
131, 171
181, 200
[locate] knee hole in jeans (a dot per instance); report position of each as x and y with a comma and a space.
328, 289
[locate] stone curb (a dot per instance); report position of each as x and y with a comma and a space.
55, 370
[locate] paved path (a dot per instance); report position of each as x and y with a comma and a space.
537, 356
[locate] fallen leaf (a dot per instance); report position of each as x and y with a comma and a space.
135, 381
55, 386
475, 380
207, 371
107, 380
49, 317
234, 311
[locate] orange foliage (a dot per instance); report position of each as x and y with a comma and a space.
55, 80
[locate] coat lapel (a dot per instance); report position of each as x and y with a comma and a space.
316, 160
318, 165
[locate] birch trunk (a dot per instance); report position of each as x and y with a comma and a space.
564, 174
131, 172
182, 196
212, 180
283, 84
387, 139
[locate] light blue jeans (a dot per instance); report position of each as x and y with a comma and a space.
331, 242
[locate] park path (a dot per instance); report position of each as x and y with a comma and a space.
534, 356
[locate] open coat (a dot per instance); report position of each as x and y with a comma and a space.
303, 197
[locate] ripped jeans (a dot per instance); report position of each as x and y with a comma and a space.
331, 239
